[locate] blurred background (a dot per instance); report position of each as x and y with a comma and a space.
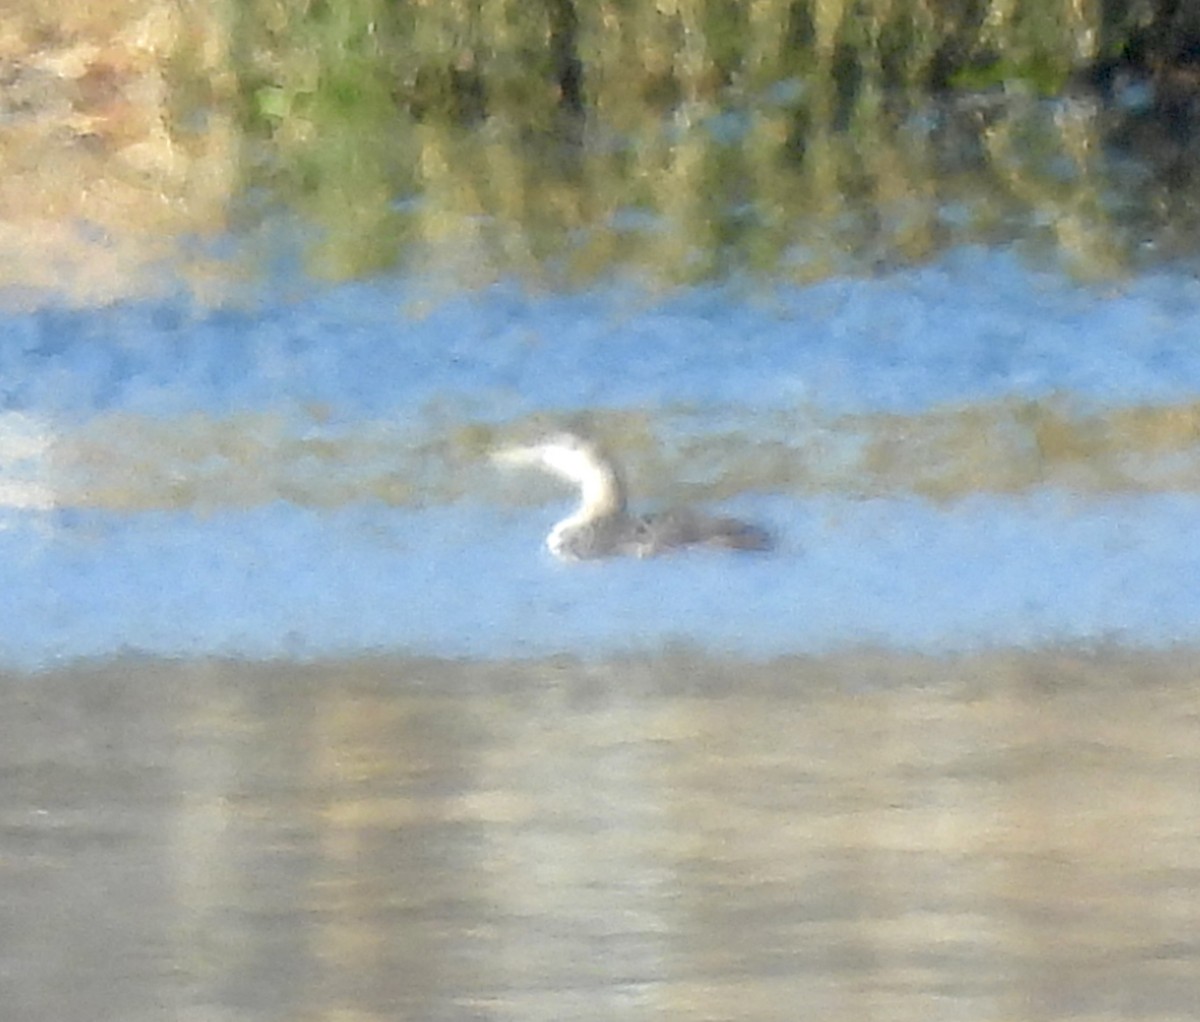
301, 721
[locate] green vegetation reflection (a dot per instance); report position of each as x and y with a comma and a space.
671, 141
677, 141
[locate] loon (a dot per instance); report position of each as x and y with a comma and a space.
603, 527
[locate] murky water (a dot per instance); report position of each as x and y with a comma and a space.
862, 837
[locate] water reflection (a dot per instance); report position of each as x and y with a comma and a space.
865, 837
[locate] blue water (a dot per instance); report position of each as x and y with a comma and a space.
469, 578
978, 325
464, 581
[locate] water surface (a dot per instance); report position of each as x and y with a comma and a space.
961, 456
863, 836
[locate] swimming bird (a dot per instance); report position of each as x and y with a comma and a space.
603, 527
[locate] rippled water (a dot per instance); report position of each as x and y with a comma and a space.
863, 836
933, 758
970, 454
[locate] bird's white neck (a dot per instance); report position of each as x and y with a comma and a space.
600, 493
601, 490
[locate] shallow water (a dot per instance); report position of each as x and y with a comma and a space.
863, 836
